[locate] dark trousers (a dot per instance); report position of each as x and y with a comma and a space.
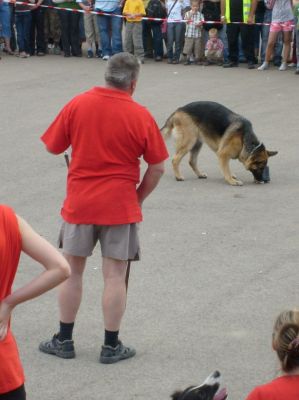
70, 36
37, 35
147, 39
157, 39
23, 24
17, 394
247, 35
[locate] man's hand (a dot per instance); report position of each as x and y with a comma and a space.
5, 312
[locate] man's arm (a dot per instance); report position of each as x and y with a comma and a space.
150, 180
222, 8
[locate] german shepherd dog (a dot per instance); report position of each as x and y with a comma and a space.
228, 134
208, 390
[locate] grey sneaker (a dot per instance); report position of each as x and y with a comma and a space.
110, 355
60, 349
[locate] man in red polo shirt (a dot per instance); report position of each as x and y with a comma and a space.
108, 132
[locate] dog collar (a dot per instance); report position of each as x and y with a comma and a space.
255, 148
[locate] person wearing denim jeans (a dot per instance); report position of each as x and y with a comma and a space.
174, 35
23, 25
175, 29
110, 27
5, 15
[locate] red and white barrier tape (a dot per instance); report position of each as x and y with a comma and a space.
141, 18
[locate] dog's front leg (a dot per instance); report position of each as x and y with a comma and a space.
224, 165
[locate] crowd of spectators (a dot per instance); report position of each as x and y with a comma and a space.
254, 32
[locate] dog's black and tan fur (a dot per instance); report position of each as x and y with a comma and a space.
228, 134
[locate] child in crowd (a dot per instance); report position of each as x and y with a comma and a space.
296, 14
214, 48
193, 32
134, 11
91, 28
285, 342
282, 21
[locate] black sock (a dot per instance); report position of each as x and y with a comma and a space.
111, 338
66, 331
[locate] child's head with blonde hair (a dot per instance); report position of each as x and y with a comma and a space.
213, 33
285, 339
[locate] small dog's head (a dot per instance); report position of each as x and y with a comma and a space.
257, 161
208, 390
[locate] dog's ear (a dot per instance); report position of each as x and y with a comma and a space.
176, 395
271, 153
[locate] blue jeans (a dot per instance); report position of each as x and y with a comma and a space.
23, 25
5, 19
110, 32
174, 37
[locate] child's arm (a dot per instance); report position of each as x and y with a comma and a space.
56, 271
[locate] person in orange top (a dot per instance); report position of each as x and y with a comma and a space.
134, 11
285, 342
16, 236
109, 133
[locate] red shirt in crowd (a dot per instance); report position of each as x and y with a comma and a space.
282, 388
109, 132
11, 371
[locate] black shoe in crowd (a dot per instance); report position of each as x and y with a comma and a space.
230, 64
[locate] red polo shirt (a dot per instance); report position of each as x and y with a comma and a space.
109, 132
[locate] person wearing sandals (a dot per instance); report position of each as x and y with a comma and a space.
5, 12
17, 236
108, 133
285, 342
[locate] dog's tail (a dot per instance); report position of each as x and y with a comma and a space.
168, 126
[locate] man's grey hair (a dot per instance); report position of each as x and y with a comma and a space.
122, 69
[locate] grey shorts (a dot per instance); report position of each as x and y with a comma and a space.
120, 242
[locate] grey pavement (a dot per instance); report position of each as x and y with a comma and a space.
219, 262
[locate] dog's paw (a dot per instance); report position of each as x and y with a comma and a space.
179, 179
235, 182
202, 175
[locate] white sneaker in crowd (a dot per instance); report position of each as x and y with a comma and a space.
106, 58
283, 66
264, 66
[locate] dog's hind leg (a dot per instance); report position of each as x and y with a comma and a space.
180, 153
193, 160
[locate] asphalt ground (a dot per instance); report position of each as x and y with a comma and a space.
219, 262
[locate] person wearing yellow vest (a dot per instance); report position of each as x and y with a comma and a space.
239, 17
